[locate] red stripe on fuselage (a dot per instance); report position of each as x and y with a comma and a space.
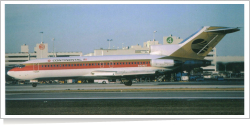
83, 65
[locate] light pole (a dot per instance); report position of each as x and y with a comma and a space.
154, 35
41, 37
41, 44
225, 67
53, 39
109, 42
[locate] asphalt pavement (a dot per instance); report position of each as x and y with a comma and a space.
21, 92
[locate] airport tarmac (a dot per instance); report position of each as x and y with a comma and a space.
149, 85
128, 95
203, 98
21, 92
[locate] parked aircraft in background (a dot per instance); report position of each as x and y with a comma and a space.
188, 54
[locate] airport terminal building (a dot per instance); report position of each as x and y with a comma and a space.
40, 51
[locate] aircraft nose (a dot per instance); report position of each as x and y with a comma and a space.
10, 73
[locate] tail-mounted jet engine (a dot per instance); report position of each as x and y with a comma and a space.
165, 63
189, 64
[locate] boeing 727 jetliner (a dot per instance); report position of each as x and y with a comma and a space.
162, 58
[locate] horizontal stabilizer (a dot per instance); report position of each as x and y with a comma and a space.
224, 30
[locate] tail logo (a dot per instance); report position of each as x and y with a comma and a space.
198, 44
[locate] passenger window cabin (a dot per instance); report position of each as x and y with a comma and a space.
98, 64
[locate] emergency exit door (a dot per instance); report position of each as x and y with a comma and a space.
35, 67
101, 64
111, 64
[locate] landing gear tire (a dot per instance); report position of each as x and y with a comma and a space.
103, 82
129, 83
34, 84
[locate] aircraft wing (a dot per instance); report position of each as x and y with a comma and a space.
103, 73
121, 73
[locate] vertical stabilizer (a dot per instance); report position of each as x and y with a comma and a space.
198, 45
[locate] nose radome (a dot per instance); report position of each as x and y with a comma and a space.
10, 73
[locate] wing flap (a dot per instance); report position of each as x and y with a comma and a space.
137, 73
120, 73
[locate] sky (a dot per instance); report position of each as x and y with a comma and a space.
85, 27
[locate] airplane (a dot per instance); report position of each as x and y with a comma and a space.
189, 53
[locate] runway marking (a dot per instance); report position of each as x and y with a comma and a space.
126, 98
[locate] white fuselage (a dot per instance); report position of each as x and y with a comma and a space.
86, 67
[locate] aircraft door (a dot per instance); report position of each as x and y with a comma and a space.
36, 67
111, 64
101, 64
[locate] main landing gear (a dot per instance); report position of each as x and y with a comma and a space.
34, 84
127, 82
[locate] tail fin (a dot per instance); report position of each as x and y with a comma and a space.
198, 45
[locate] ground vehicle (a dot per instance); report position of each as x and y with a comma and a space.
103, 81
